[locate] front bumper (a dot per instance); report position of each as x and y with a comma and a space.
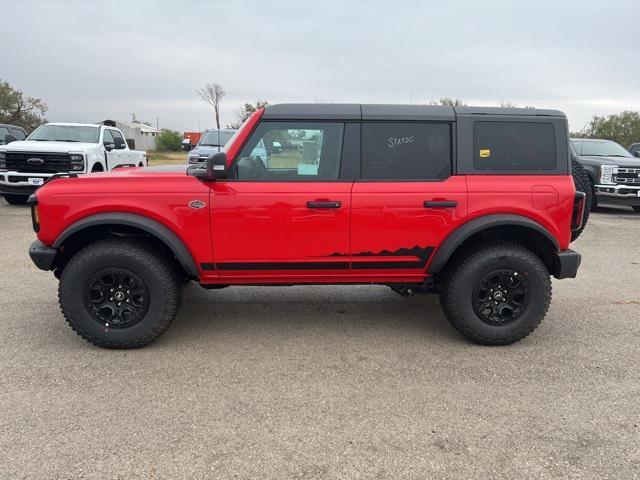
43, 256
17, 183
567, 263
628, 195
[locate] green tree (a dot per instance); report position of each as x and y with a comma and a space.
246, 111
452, 102
623, 127
169, 141
18, 109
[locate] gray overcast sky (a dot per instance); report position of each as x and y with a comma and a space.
95, 60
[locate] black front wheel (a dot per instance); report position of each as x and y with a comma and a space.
16, 199
496, 294
636, 208
117, 293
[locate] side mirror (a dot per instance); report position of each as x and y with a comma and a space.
215, 168
637, 153
119, 143
109, 146
9, 139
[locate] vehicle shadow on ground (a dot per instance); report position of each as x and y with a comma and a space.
285, 311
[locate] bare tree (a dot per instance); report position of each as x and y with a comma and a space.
212, 93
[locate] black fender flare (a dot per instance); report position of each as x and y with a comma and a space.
465, 231
162, 233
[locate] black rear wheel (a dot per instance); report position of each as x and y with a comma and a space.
496, 294
118, 293
16, 199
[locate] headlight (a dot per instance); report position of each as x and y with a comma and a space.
3, 161
194, 158
607, 172
77, 161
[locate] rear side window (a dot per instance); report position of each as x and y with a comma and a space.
514, 146
406, 151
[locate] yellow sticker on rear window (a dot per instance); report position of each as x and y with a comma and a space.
485, 152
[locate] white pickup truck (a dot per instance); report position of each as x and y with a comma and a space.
62, 148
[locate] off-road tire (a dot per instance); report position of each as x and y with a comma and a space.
16, 199
636, 208
583, 184
159, 274
459, 280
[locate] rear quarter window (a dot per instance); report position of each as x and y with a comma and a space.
514, 146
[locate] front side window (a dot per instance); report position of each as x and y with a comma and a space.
292, 151
513, 146
66, 133
117, 136
406, 151
107, 137
19, 134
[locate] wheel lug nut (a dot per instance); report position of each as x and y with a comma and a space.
111, 298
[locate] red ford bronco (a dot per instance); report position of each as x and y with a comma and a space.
476, 204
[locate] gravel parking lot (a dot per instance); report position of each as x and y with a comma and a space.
326, 382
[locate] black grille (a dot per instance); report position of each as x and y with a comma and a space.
627, 176
52, 162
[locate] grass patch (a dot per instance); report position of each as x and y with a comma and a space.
166, 158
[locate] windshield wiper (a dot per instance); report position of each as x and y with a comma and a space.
207, 145
621, 156
63, 140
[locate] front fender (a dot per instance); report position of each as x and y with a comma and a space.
145, 224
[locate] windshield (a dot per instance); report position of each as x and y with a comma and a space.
65, 133
214, 138
600, 148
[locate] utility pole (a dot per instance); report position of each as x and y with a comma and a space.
157, 122
133, 117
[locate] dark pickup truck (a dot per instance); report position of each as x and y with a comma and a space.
613, 171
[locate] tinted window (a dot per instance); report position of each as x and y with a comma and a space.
116, 135
298, 151
514, 146
406, 151
108, 138
19, 134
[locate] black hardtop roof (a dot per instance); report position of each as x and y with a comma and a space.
356, 111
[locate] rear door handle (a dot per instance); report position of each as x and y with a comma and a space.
324, 204
440, 204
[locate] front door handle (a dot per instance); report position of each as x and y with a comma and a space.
324, 204
440, 204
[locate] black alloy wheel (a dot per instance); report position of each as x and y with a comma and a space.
500, 296
116, 298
